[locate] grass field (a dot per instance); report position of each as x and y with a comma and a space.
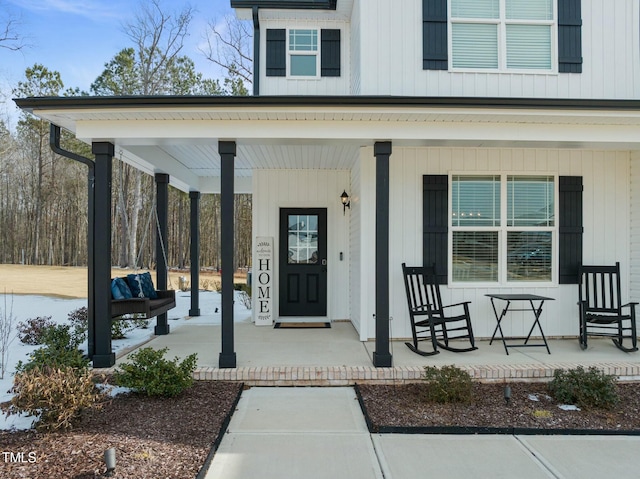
71, 282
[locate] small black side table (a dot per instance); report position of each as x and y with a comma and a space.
537, 311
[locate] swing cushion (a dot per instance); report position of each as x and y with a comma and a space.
120, 289
141, 286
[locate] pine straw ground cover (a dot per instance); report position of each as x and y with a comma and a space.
153, 438
399, 407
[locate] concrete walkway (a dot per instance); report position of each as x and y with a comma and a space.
312, 433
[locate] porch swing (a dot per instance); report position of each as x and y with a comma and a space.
135, 293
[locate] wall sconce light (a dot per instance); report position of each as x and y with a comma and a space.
346, 203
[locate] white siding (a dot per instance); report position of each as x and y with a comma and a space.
634, 239
391, 57
316, 86
275, 189
356, 45
606, 224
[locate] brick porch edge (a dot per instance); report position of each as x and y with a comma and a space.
347, 376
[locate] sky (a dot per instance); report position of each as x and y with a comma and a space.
77, 37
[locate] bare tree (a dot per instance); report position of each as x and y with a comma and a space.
9, 36
159, 37
229, 45
7, 334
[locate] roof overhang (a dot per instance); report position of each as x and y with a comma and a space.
286, 4
178, 135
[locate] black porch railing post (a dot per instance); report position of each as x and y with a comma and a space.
103, 356
227, 150
382, 356
195, 253
162, 210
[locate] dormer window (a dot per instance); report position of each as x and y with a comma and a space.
303, 53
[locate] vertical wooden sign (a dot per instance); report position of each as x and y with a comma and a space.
263, 281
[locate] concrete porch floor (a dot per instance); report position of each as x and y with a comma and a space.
336, 357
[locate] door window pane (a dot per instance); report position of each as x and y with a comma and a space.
475, 256
529, 256
303, 239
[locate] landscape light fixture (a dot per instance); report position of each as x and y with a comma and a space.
110, 460
346, 203
507, 394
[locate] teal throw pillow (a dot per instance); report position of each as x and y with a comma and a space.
120, 289
141, 286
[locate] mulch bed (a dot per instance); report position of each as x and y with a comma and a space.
153, 437
399, 408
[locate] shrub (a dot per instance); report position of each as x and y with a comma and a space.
57, 396
60, 349
79, 319
32, 330
151, 374
448, 384
590, 388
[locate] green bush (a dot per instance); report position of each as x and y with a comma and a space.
590, 388
448, 384
56, 396
60, 349
150, 373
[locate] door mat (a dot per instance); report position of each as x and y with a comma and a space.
302, 325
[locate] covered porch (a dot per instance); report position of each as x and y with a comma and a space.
303, 152
336, 357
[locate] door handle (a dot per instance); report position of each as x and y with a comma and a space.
324, 262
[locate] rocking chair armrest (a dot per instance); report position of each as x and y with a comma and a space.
631, 304
456, 304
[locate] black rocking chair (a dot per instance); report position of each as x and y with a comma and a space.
426, 313
601, 311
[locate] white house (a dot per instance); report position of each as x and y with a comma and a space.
496, 139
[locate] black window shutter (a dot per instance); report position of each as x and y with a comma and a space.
276, 52
434, 35
330, 53
435, 224
569, 36
570, 228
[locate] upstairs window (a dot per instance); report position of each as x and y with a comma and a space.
303, 53
502, 34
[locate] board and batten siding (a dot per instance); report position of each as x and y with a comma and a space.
391, 57
275, 189
606, 225
273, 85
634, 240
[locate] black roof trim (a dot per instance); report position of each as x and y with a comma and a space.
82, 102
286, 4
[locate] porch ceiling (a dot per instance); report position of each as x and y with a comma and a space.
179, 135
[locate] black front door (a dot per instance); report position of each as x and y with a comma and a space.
303, 262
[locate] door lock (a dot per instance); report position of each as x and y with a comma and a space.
324, 262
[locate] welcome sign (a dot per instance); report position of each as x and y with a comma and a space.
263, 281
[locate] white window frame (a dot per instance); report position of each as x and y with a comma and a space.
503, 230
502, 23
291, 53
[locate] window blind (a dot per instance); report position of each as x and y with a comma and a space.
475, 8
475, 201
529, 47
